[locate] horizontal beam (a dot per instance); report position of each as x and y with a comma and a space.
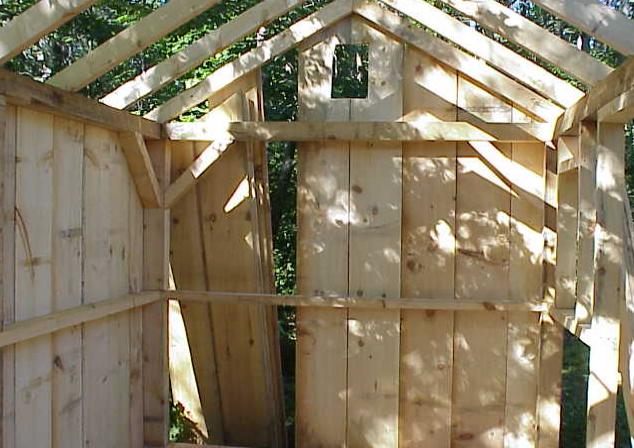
352, 302
22, 91
50, 323
618, 82
619, 110
362, 131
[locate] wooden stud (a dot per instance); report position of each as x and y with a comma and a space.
141, 169
596, 19
129, 42
224, 77
198, 52
514, 27
37, 21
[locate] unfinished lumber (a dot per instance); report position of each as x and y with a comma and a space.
514, 27
198, 52
36, 22
496, 54
586, 222
598, 20
22, 91
141, 169
619, 110
129, 42
230, 73
106, 275
156, 238
566, 268
188, 269
609, 285
484, 74
322, 219
33, 358
428, 259
449, 130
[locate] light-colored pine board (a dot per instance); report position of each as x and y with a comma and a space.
23, 91
232, 72
597, 19
68, 167
8, 160
243, 352
141, 169
522, 375
198, 52
587, 222
129, 42
106, 364
609, 285
322, 253
188, 269
479, 382
494, 80
496, 54
156, 238
375, 250
34, 23
135, 273
619, 110
513, 26
549, 388
427, 268
33, 275
526, 268
566, 268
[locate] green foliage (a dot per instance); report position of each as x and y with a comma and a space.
182, 429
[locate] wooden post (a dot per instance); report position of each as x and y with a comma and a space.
609, 285
155, 276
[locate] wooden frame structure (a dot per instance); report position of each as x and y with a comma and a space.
527, 183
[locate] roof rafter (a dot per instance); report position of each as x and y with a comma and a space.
457, 59
489, 50
34, 23
530, 36
195, 54
598, 20
129, 42
225, 76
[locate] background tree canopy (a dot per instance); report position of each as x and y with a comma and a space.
108, 17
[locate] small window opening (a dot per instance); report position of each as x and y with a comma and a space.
350, 77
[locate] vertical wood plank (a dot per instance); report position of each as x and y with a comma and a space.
322, 254
8, 160
68, 166
428, 228
587, 222
33, 275
609, 285
375, 250
549, 386
156, 239
106, 348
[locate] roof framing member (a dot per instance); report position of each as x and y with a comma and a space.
129, 42
23, 91
496, 54
34, 23
231, 72
530, 36
602, 22
619, 110
457, 59
195, 54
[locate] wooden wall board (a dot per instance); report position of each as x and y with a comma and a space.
322, 253
68, 164
34, 275
549, 385
567, 213
428, 257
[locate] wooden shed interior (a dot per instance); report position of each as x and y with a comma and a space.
451, 225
